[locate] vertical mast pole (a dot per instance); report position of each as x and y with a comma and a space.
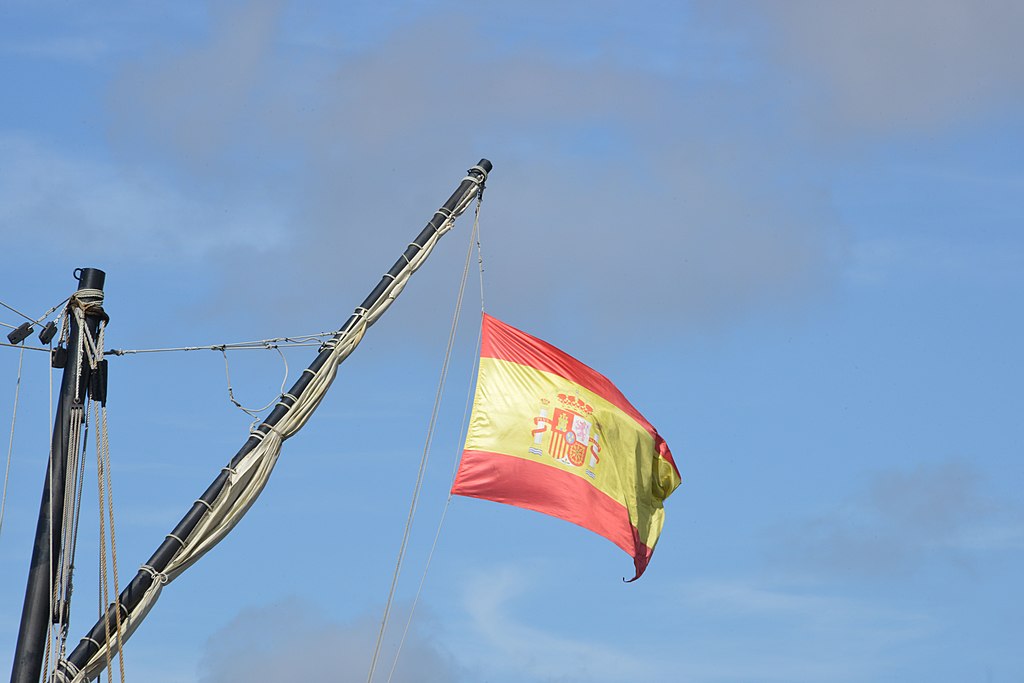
36, 616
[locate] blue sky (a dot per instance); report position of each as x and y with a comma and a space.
789, 232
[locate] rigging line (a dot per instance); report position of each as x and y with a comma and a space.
254, 412
22, 346
51, 639
103, 477
423, 462
104, 595
258, 344
46, 315
10, 445
444, 510
79, 421
219, 347
479, 249
15, 310
8, 325
104, 435
106, 497
40, 318
462, 430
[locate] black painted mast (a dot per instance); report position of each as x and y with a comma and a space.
36, 616
132, 596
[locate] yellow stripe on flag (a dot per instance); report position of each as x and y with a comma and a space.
550, 434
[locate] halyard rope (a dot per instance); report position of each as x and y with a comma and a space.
424, 458
94, 355
10, 446
106, 491
51, 644
104, 591
254, 412
462, 430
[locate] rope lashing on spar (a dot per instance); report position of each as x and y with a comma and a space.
159, 577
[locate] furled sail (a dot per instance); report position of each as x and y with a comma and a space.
239, 483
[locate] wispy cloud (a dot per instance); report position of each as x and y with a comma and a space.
615, 182
504, 644
294, 641
52, 202
789, 633
904, 66
902, 521
192, 101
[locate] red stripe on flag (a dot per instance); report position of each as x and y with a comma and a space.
504, 342
532, 485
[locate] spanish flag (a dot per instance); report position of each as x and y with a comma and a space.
550, 434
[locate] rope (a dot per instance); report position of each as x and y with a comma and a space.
254, 412
104, 592
10, 445
79, 351
51, 639
479, 249
423, 461
73, 514
462, 430
104, 476
93, 353
15, 310
75, 467
41, 318
257, 344
83, 302
22, 346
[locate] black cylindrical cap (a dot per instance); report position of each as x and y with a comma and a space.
90, 278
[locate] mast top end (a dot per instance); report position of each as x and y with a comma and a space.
90, 278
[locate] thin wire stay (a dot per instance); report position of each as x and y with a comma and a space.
474, 236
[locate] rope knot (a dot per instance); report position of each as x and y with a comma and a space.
159, 577
65, 665
90, 302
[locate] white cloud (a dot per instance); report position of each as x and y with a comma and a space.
912, 65
638, 191
192, 101
55, 203
902, 521
294, 641
505, 646
789, 633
